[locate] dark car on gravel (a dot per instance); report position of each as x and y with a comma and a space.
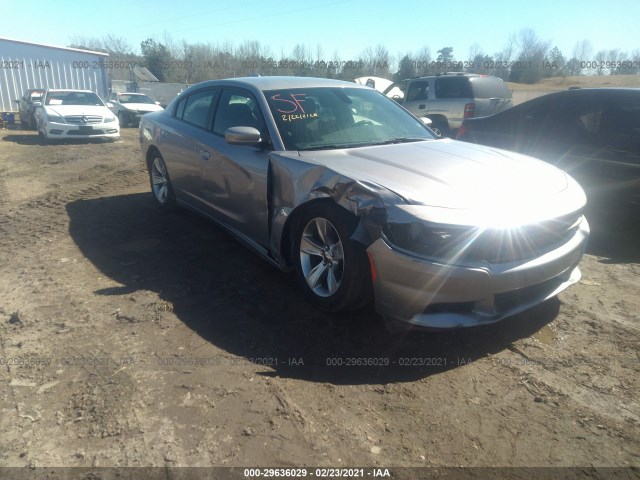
26, 108
592, 133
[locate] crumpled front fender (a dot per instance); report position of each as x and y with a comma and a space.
293, 182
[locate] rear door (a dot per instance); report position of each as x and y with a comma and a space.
451, 94
182, 143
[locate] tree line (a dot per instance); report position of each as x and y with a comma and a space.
525, 58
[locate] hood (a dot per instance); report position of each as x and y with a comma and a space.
450, 175
142, 107
66, 110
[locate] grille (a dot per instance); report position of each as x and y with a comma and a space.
77, 119
500, 246
86, 132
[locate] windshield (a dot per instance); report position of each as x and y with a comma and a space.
336, 117
35, 95
124, 98
73, 98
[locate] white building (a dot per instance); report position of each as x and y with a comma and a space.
25, 65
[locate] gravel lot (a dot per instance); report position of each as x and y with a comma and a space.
129, 337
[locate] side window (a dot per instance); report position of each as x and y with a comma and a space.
197, 107
180, 108
418, 91
590, 121
453, 87
237, 109
622, 120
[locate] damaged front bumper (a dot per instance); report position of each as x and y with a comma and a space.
411, 291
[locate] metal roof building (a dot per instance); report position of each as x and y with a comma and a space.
25, 65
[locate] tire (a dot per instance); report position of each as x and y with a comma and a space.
123, 120
161, 187
440, 127
42, 135
332, 269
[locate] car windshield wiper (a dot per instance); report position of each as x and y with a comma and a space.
400, 140
386, 142
326, 147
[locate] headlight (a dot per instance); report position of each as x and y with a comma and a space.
54, 118
109, 119
431, 240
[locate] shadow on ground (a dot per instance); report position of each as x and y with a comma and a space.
32, 138
23, 138
246, 307
615, 233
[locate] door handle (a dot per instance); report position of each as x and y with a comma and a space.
422, 106
204, 154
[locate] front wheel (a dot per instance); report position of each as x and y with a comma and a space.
161, 184
332, 268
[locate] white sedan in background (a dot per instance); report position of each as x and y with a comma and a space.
65, 114
129, 107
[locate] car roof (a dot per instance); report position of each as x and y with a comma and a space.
55, 90
278, 82
581, 93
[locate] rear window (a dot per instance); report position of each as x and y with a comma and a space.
489, 87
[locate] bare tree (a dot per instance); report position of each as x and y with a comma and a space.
383, 61
423, 61
501, 66
476, 58
600, 58
582, 53
530, 63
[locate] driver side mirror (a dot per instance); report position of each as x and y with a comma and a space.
242, 135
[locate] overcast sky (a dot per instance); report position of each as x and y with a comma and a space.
343, 26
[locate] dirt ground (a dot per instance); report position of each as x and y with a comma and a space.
129, 337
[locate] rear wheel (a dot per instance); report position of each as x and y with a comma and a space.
332, 268
123, 120
440, 127
161, 184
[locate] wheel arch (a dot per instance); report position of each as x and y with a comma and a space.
152, 151
437, 118
295, 185
287, 240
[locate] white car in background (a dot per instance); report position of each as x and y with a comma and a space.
377, 83
129, 107
66, 114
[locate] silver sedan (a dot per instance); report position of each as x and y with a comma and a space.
339, 183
